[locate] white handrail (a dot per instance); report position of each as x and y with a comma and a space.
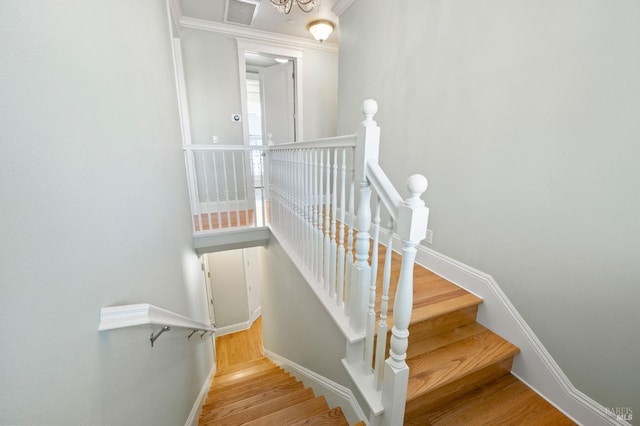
384, 188
114, 317
333, 142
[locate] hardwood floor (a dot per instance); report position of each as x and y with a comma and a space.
239, 348
222, 220
249, 389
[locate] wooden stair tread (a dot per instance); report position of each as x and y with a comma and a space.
233, 392
238, 367
334, 417
293, 413
505, 401
231, 407
431, 370
248, 373
261, 410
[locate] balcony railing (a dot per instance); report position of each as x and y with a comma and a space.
227, 187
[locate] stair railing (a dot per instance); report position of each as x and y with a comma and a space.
226, 187
312, 194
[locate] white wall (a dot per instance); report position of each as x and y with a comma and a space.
230, 302
213, 88
295, 325
523, 115
320, 94
94, 212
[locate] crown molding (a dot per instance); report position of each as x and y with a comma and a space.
341, 6
251, 33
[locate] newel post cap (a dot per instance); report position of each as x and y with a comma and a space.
369, 109
413, 215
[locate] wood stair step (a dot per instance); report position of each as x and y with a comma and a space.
261, 410
238, 367
247, 374
334, 417
237, 393
294, 413
229, 408
464, 359
504, 401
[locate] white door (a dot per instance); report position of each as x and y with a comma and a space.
278, 108
252, 275
209, 287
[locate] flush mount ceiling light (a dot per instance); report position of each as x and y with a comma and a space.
284, 6
321, 29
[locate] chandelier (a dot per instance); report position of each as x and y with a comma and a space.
284, 6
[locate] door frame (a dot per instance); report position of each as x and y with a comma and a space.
253, 46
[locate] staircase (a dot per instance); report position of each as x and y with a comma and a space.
258, 392
459, 370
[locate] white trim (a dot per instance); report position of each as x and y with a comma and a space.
341, 6
534, 366
240, 326
335, 393
233, 328
175, 13
255, 314
277, 49
252, 33
192, 420
112, 317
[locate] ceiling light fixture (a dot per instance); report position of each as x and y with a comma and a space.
321, 29
284, 6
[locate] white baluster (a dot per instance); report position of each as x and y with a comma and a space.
249, 193
310, 209
206, 190
371, 313
362, 269
381, 344
350, 296
334, 246
341, 254
235, 189
318, 201
227, 197
412, 228
327, 223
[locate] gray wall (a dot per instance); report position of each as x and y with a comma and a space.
295, 324
230, 303
213, 88
524, 116
94, 212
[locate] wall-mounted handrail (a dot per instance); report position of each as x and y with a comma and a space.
141, 314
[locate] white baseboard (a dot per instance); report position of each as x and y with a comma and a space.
336, 394
534, 366
233, 328
192, 420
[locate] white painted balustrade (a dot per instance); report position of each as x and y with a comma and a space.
312, 203
226, 186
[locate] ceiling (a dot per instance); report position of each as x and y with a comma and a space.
267, 17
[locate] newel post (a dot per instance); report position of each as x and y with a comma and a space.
413, 216
367, 148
